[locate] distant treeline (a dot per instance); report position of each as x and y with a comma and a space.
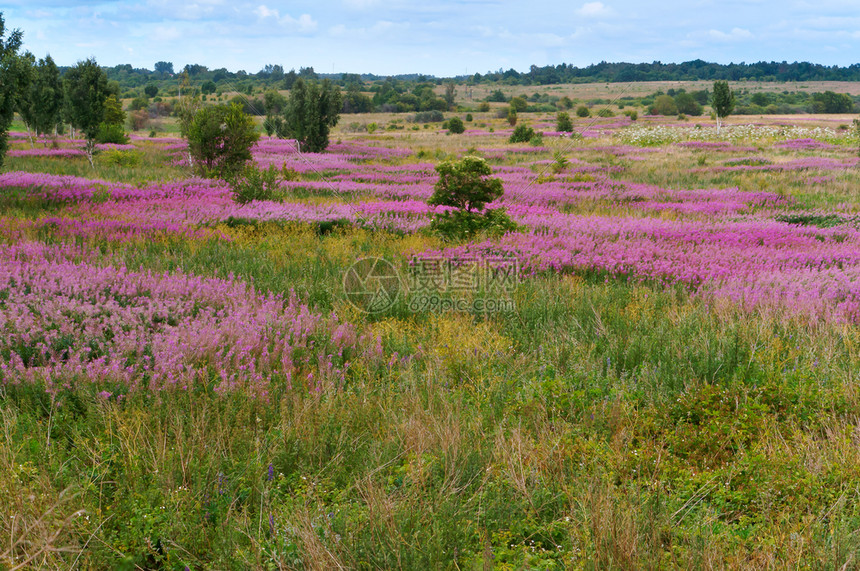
686, 71
275, 75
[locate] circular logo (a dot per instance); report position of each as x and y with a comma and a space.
371, 285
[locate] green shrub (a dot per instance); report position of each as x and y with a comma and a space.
583, 111
522, 134
119, 158
456, 126
563, 122
255, 184
434, 116
111, 133
605, 112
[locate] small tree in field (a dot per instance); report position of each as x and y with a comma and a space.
456, 126
86, 92
723, 102
220, 140
563, 123
466, 186
312, 110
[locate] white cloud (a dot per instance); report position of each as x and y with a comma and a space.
737, 34
595, 10
304, 23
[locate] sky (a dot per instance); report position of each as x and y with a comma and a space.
434, 37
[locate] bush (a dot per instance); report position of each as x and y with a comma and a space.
468, 117
255, 184
519, 104
664, 105
537, 140
605, 112
512, 116
484, 107
120, 158
456, 126
563, 122
632, 114
111, 133
522, 134
433, 116
582, 111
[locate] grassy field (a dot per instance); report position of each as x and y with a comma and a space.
186, 382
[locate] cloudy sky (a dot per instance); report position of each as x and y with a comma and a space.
439, 37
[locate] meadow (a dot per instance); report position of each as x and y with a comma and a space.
671, 381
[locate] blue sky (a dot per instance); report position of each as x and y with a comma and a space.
436, 37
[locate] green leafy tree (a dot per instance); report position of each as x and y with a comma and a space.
8, 53
46, 97
583, 111
664, 105
22, 69
456, 126
467, 187
512, 116
563, 122
723, 101
86, 91
220, 139
274, 104
111, 129
450, 94
312, 110
151, 90
519, 104
687, 104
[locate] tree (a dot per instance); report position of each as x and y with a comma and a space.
208, 87
466, 186
723, 101
311, 111
450, 93
220, 138
456, 126
164, 67
86, 92
22, 69
512, 116
687, 104
46, 96
664, 105
111, 128
274, 104
583, 111
151, 90
563, 122
519, 104
8, 53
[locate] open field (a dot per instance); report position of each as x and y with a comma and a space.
663, 375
